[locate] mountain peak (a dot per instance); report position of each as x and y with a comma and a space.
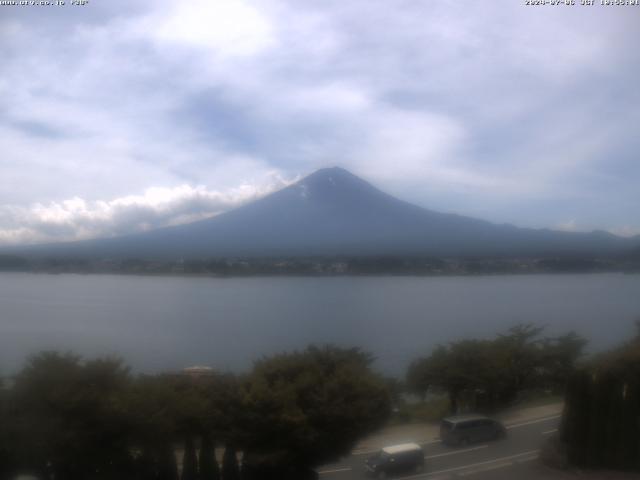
332, 171
331, 174
330, 181
334, 176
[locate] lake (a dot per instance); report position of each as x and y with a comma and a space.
159, 323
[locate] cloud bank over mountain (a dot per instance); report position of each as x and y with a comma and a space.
77, 219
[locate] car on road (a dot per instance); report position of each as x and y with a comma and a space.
466, 429
396, 459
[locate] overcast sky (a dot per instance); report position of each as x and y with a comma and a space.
120, 116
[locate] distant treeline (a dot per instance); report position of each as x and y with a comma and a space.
315, 266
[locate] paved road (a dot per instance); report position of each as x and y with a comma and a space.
513, 454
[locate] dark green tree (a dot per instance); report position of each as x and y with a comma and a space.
558, 359
157, 406
167, 469
461, 369
190, 461
230, 468
487, 374
420, 377
575, 427
71, 417
222, 410
519, 359
171, 408
208, 465
600, 425
6, 455
308, 408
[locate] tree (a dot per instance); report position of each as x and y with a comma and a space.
190, 461
208, 465
230, 468
558, 359
461, 369
223, 409
485, 374
89, 420
519, 352
420, 377
70, 415
6, 456
154, 405
166, 463
307, 408
602, 406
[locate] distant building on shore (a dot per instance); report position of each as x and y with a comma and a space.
198, 371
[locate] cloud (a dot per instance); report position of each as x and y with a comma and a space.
574, 226
568, 226
229, 28
626, 231
77, 218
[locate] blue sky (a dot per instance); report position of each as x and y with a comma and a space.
124, 116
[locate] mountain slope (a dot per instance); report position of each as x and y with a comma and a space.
332, 212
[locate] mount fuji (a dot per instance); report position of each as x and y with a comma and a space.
333, 212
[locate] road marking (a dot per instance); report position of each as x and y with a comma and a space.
550, 431
456, 452
477, 464
539, 420
525, 460
335, 470
475, 471
505, 463
486, 469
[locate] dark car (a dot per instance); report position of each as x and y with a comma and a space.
465, 429
405, 458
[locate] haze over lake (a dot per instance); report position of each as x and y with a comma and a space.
159, 323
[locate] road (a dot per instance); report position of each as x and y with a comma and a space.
510, 457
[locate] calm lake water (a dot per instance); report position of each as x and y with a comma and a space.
158, 323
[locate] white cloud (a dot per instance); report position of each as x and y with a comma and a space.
77, 218
568, 226
408, 144
626, 231
575, 226
226, 27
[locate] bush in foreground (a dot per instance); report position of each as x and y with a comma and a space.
71, 419
601, 423
309, 408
